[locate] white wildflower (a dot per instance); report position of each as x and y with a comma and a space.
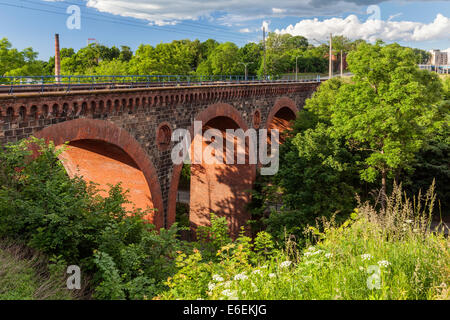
272, 275
311, 249
384, 263
366, 256
240, 276
408, 221
328, 255
211, 286
256, 271
285, 264
312, 253
217, 278
361, 269
231, 294
227, 284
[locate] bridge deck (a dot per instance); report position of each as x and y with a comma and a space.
35, 90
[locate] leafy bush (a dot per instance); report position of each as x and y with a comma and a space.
211, 238
197, 273
66, 219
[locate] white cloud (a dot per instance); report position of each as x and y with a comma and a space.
372, 30
238, 13
229, 11
278, 10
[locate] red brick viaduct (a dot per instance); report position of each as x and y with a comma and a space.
123, 135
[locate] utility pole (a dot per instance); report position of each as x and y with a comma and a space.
296, 68
264, 42
330, 71
342, 64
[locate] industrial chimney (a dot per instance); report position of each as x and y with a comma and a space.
57, 59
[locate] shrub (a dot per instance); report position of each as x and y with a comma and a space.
42, 207
212, 238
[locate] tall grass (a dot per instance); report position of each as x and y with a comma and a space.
25, 275
390, 254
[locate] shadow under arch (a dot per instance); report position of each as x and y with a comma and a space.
281, 116
102, 148
217, 188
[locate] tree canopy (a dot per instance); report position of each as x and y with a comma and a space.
356, 136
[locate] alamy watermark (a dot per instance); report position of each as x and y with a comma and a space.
374, 280
74, 279
74, 20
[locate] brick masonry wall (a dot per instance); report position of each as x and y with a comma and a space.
140, 112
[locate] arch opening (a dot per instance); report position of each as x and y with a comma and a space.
282, 121
104, 153
107, 164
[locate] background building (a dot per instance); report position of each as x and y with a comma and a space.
438, 58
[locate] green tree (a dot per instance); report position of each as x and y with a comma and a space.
113, 67
251, 53
318, 174
206, 48
224, 60
144, 61
19, 63
387, 109
422, 56
125, 54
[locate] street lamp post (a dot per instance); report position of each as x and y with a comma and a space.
330, 56
245, 65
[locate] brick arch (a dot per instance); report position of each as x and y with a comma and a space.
280, 117
105, 131
219, 110
280, 104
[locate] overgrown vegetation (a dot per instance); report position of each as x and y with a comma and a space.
66, 219
375, 254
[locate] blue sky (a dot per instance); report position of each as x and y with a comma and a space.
422, 24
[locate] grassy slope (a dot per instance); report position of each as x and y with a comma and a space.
24, 278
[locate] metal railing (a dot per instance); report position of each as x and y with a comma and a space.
441, 69
18, 84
